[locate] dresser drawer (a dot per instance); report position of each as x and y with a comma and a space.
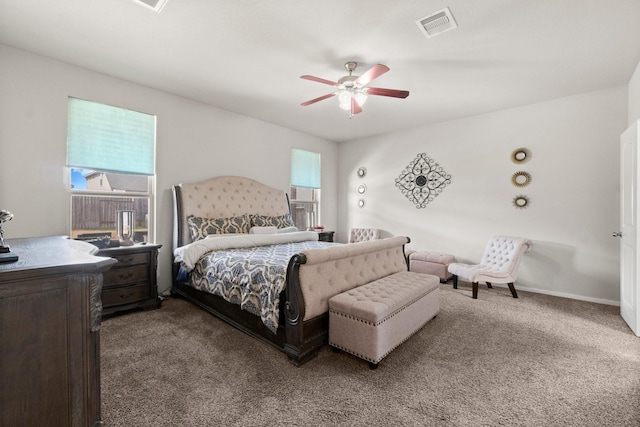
125, 260
124, 295
123, 276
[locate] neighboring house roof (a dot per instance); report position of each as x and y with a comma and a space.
121, 182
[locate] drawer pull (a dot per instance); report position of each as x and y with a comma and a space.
125, 276
130, 294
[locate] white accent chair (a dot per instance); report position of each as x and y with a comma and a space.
499, 264
363, 234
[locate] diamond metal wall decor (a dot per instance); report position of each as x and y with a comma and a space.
422, 180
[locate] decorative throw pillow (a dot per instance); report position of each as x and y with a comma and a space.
281, 221
199, 228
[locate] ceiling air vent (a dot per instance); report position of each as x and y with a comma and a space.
155, 5
437, 23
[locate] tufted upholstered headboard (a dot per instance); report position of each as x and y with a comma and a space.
223, 197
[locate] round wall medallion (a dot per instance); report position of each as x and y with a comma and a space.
362, 171
521, 179
362, 188
361, 203
521, 202
520, 155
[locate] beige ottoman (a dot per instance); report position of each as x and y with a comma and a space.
432, 263
371, 320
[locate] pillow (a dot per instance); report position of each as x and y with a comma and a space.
199, 228
214, 236
281, 221
288, 230
263, 230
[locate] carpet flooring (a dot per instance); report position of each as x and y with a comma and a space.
496, 361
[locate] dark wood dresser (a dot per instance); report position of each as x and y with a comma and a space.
131, 283
50, 315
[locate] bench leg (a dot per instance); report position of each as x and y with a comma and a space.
489, 285
373, 366
474, 290
455, 282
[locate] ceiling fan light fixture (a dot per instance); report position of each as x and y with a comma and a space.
361, 97
352, 91
345, 95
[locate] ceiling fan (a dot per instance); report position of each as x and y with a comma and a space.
351, 90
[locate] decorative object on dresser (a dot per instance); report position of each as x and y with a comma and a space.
5, 251
131, 283
50, 333
126, 227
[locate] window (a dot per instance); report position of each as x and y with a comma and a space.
111, 162
305, 188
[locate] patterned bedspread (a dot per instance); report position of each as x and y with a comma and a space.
251, 277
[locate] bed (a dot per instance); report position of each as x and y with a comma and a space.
274, 284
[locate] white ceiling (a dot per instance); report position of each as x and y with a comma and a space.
247, 56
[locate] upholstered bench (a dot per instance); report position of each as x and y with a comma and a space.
432, 263
371, 320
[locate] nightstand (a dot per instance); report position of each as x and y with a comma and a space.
325, 236
131, 283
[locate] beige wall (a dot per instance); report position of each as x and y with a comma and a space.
634, 96
574, 190
194, 142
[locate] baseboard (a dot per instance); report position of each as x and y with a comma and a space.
561, 294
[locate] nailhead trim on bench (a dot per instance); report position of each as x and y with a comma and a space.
368, 359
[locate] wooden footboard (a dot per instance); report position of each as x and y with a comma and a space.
316, 275
303, 339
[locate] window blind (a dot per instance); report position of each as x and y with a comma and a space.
305, 169
108, 138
